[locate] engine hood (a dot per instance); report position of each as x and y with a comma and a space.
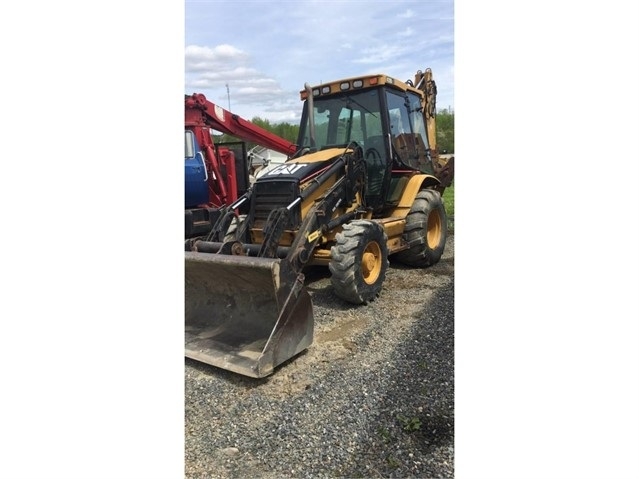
304, 166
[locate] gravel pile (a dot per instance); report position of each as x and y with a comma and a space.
372, 397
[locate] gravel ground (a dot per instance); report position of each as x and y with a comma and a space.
372, 397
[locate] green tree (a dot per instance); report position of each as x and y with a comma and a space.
446, 131
284, 130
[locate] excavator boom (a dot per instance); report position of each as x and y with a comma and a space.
200, 112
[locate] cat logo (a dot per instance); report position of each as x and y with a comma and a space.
286, 169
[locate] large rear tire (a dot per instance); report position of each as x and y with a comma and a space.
359, 261
426, 230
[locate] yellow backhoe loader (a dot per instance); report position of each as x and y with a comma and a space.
365, 183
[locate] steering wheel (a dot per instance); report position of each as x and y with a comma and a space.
374, 154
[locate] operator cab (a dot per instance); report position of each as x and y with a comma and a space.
386, 120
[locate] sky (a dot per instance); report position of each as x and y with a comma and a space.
265, 51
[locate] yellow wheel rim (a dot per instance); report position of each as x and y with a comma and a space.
371, 262
434, 230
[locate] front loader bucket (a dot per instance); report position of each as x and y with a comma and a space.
245, 314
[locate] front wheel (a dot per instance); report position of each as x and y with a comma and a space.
359, 261
426, 230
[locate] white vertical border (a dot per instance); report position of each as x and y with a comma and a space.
91, 337
547, 235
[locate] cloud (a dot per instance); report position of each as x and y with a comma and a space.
199, 58
408, 32
219, 65
211, 69
407, 14
379, 54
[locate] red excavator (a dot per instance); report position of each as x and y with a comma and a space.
216, 175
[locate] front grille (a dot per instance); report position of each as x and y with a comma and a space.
270, 195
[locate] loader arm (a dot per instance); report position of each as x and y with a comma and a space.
319, 220
350, 170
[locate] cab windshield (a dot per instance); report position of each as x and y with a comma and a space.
340, 120
368, 117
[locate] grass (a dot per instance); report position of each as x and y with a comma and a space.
409, 424
384, 433
449, 200
449, 205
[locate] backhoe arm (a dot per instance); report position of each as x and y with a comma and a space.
444, 168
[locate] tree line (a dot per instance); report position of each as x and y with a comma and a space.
445, 131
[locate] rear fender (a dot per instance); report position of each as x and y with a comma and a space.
407, 198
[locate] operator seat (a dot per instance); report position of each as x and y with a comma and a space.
375, 157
